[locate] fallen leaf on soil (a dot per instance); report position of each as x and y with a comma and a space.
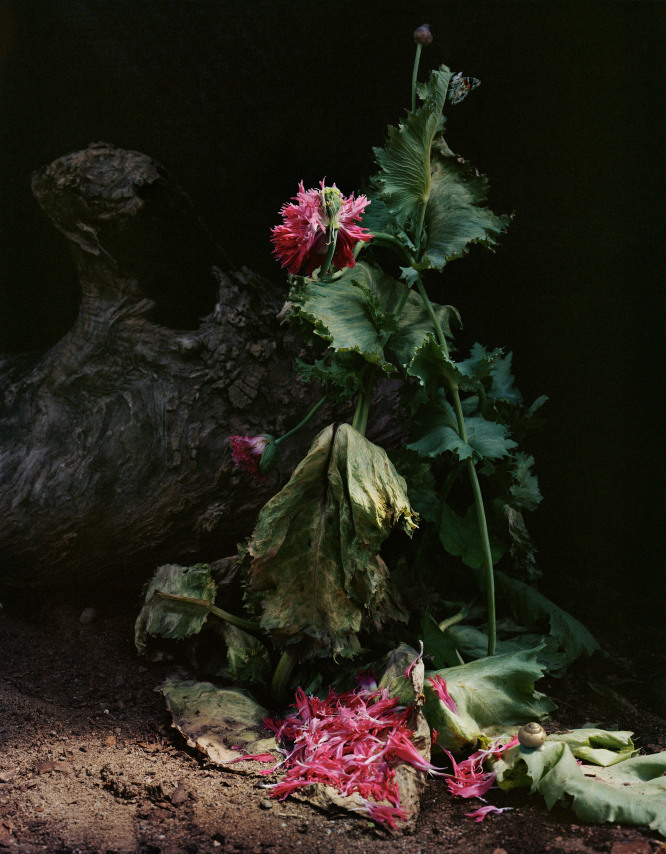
215, 720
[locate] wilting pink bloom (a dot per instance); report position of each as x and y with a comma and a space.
439, 687
482, 812
352, 742
302, 241
252, 757
246, 453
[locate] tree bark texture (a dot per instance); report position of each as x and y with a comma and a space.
114, 453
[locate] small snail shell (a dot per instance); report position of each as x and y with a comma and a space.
532, 735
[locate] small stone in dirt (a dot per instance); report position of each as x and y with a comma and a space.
179, 795
500, 851
88, 615
265, 804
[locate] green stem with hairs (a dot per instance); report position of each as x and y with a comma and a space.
474, 481
301, 424
248, 625
415, 72
325, 267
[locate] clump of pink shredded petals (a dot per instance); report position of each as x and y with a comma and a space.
353, 742
301, 241
469, 779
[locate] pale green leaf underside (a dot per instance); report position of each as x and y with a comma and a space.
315, 571
629, 792
404, 180
456, 216
490, 694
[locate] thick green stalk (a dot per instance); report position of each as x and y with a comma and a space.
283, 671
248, 625
474, 480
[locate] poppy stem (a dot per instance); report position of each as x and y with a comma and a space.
248, 625
325, 267
474, 480
281, 676
415, 72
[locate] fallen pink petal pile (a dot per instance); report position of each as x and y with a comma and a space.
352, 742
469, 780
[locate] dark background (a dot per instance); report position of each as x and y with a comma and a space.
241, 100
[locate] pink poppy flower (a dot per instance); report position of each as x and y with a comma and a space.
439, 687
246, 453
318, 217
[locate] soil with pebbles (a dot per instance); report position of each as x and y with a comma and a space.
90, 763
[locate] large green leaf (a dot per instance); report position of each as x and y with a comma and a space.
598, 746
315, 571
456, 216
530, 607
169, 618
490, 694
404, 181
356, 313
630, 792
247, 657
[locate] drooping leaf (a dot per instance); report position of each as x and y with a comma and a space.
214, 720
632, 791
530, 607
314, 571
169, 618
490, 694
461, 538
404, 180
456, 216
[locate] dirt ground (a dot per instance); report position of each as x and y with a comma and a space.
90, 763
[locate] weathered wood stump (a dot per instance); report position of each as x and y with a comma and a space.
114, 443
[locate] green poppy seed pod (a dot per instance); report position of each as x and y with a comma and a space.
422, 34
532, 735
270, 457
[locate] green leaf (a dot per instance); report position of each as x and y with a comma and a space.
530, 607
473, 643
339, 373
356, 313
439, 645
315, 571
166, 618
525, 487
456, 216
432, 364
213, 720
404, 180
629, 792
490, 694
439, 426
346, 311
460, 537
247, 657
598, 746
